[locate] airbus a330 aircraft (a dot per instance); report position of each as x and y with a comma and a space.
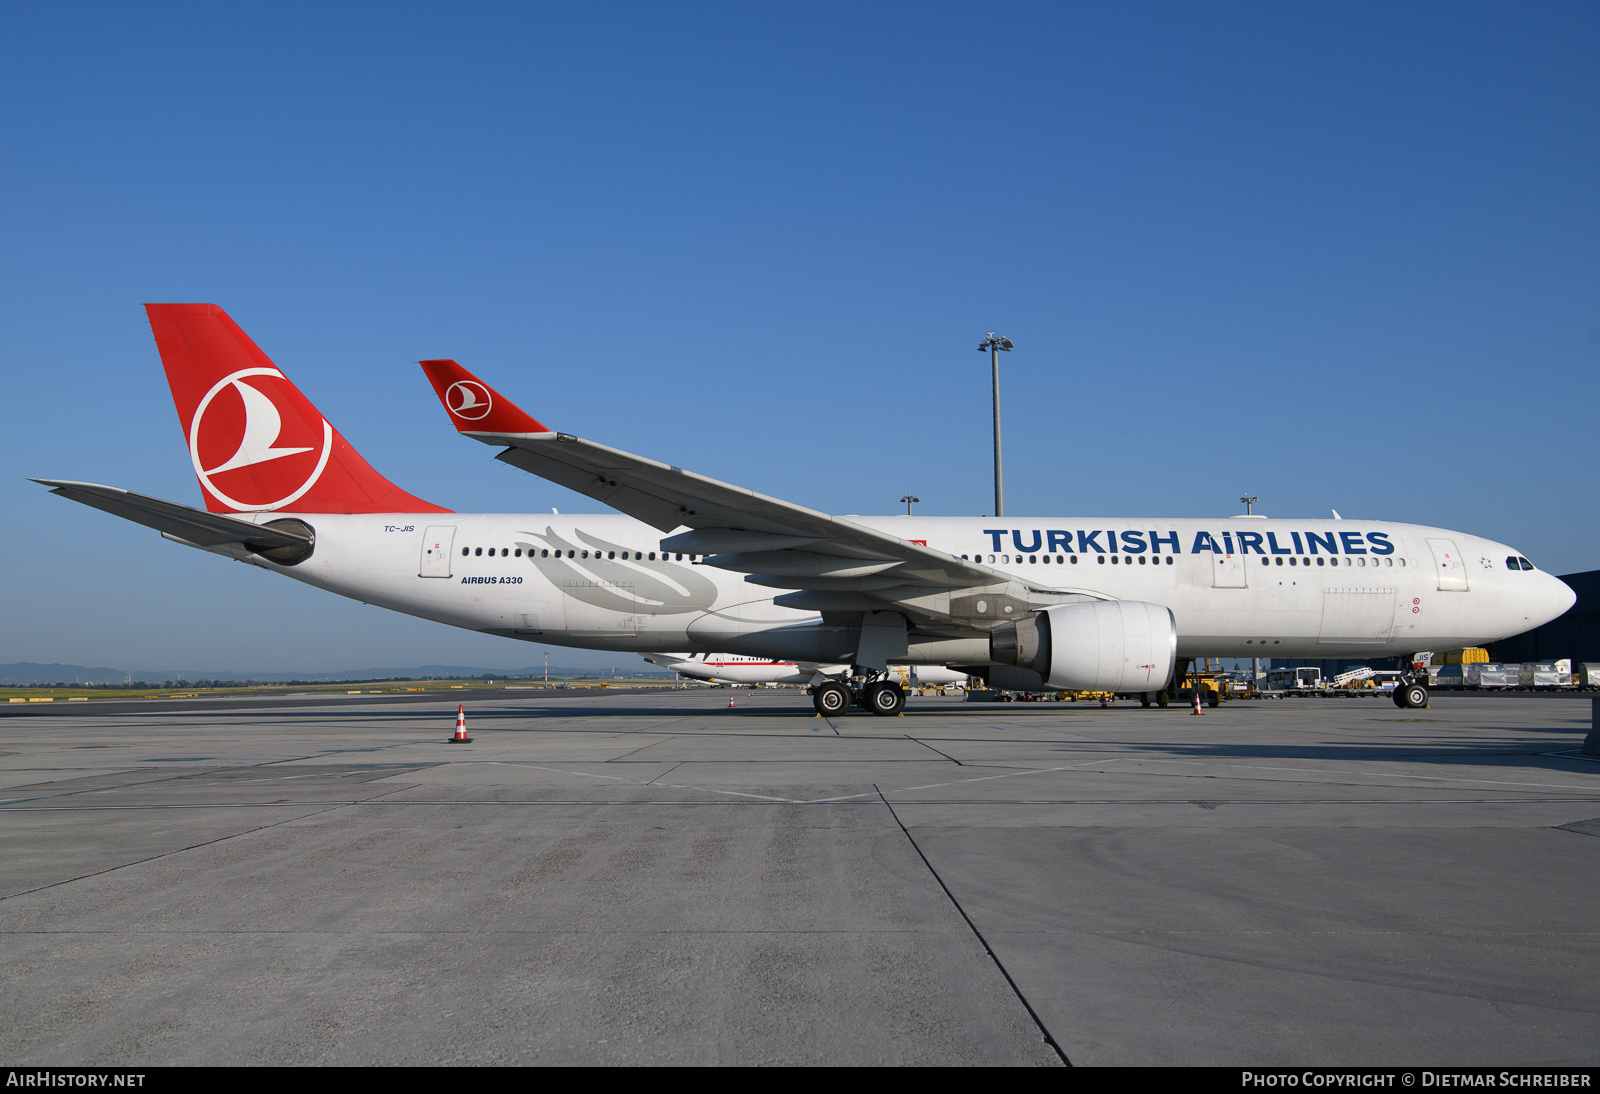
690, 563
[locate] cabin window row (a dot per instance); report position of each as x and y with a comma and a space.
507, 552
1005, 560
1060, 560
1348, 561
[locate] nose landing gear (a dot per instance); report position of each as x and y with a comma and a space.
1411, 696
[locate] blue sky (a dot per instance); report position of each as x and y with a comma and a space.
1340, 256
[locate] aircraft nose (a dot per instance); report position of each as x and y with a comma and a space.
1555, 597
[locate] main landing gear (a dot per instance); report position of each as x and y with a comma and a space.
831, 699
885, 698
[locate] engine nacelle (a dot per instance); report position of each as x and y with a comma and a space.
1102, 645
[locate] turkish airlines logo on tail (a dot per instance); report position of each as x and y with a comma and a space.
468, 399
238, 442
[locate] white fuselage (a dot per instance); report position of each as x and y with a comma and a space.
1270, 588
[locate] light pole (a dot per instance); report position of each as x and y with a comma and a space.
908, 499
994, 343
1255, 662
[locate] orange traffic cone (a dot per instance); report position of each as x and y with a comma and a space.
1197, 709
461, 737
730, 700
1102, 702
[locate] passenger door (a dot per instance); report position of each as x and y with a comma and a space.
1227, 572
437, 544
1452, 570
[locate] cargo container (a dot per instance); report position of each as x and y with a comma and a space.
1543, 674
1497, 675
1478, 675
1472, 655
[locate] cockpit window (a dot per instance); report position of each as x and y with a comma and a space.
1526, 565
1513, 563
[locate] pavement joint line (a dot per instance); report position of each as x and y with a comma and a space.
183, 773
936, 751
664, 774
1255, 801
986, 778
559, 771
641, 748
1426, 987
177, 773
636, 782
380, 800
1485, 782
164, 854
1044, 1031
1399, 775
1444, 932
491, 931
1574, 754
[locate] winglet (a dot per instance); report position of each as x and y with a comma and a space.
473, 405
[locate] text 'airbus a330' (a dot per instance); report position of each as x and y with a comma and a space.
690, 563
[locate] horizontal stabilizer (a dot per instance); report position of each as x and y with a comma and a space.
192, 525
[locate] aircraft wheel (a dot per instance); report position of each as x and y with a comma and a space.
1416, 696
831, 699
1213, 699
1399, 696
1162, 699
885, 698
1144, 699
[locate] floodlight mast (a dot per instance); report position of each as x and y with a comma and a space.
1248, 502
994, 343
908, 499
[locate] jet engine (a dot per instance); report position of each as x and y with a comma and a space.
1102, 645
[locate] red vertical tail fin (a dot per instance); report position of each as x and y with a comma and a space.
256, 442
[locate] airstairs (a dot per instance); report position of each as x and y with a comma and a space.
1349, 679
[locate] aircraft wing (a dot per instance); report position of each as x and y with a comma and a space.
777, 543
813, 561
194, 526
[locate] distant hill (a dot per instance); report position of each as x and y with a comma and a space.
31, 672
23, 673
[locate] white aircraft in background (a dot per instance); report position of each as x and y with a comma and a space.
733, 669
690, 563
